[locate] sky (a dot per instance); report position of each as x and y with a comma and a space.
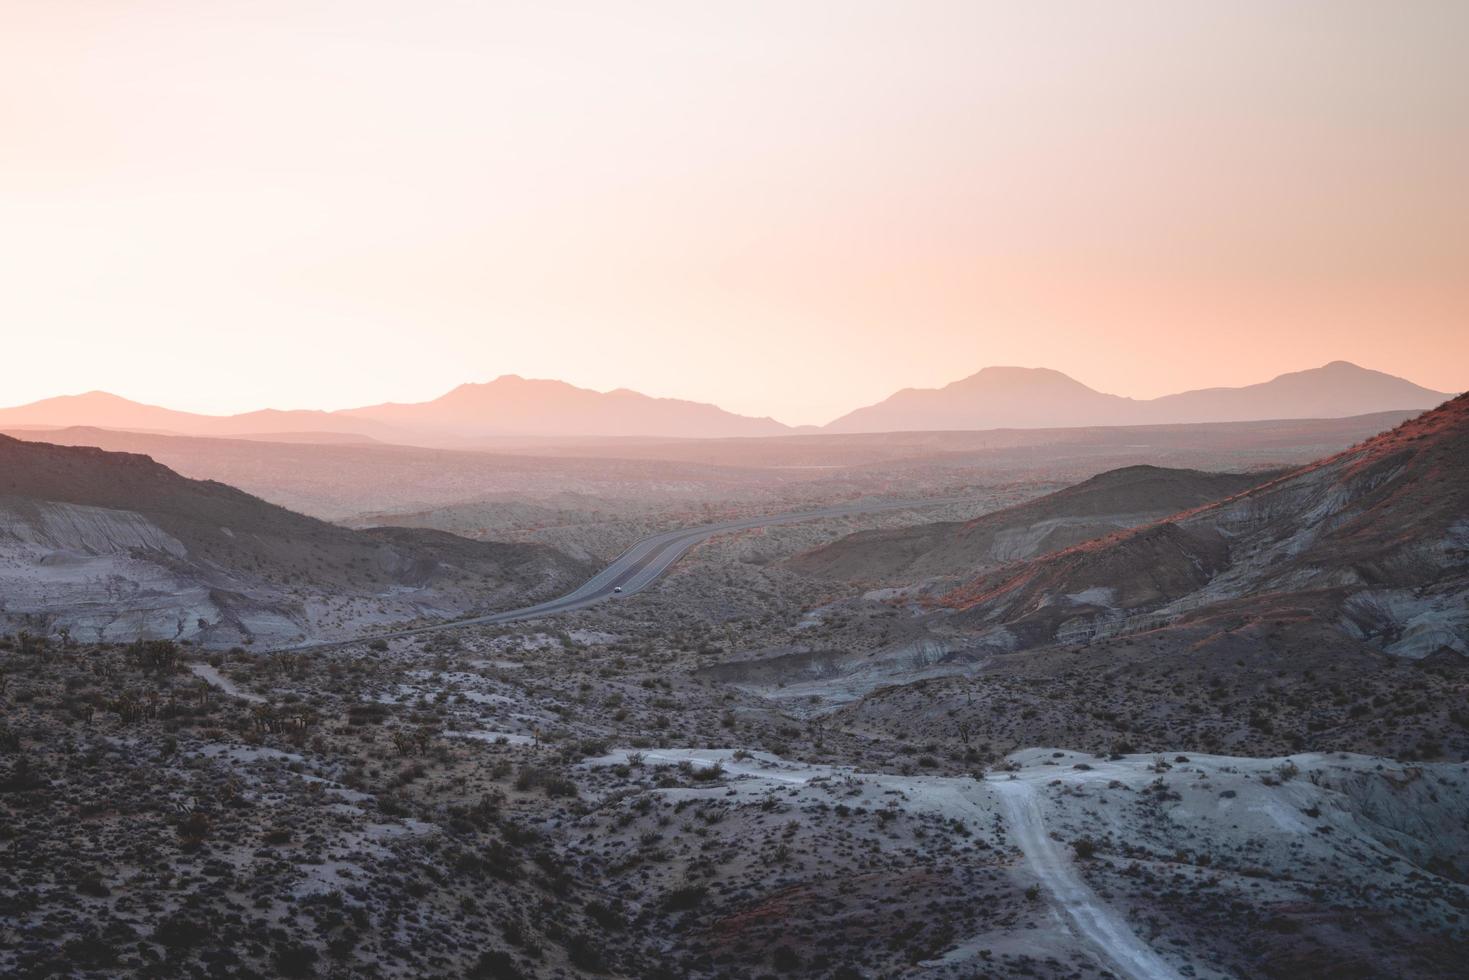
785, 208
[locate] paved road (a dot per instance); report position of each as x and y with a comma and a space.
638, 567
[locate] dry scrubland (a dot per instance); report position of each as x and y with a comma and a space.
750, 770
497, 803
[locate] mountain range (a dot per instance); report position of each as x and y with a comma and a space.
1026, 398
510, 406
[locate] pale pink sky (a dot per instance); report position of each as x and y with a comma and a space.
785, 208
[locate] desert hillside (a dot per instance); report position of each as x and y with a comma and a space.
114, 545
1106, 503
1376, 535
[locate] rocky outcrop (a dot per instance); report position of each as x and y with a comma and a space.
1103, 505
113, 546
1379, 531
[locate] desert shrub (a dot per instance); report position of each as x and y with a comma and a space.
180, 930
495, 964
294, 959
91, 950
605, 916
157, 656
584, 954
785, 959
685, 897
391, 806
551, 783
708, 773
367, 714
193, 829
91, 883
559, 786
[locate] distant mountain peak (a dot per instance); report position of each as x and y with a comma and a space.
995, 397
512, 405
1014, 370
95, 395
1010, 376
1016, 397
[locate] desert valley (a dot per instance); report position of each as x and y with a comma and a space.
823, 489
1180, 699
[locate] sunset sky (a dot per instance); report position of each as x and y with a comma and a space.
785, 208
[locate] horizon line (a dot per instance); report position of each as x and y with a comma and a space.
695, 401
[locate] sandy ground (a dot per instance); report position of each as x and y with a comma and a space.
1044, 797
214, 678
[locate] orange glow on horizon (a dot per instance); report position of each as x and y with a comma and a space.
787, 210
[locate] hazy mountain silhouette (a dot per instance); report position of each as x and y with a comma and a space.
509, 405
100, 409
994, 398
1029, 398
512, 405
1335, 390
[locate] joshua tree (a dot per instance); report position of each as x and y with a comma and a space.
158, 656
28, 643
417, 740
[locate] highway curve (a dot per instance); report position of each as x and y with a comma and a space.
636, 569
